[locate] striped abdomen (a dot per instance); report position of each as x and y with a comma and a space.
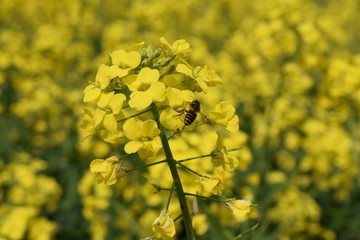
190, 117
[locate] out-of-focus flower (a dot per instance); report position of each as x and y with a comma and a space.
200, 224
224, 115
15, 221
164, 226
221, 158
238, 207
107, 170
143, 137
47, 227
212, 183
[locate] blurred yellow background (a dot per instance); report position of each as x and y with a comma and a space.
291, 68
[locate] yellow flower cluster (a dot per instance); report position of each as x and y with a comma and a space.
95, 199
139, 77
138, 81
27, 197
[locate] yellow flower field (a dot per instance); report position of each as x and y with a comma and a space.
224, 119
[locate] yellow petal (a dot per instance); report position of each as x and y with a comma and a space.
181, 46
124, 59
145, 152
137, 46
150, 129
170, 119
184, 69
157, 91
164, 226
210, 183
131, 82
227, 108
174, 97
133, 59
165, 42
102, 77
133, 128
140, 100
98, 166
213, 78
104, 99
132, 146
91, 93
115, 71
116, 103
112, 138
110, 123
148, 75
239, 207
111, 178
179, 98
98, 116
202, 85
117, 57
233, 124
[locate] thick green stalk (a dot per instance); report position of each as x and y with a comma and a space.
175, 175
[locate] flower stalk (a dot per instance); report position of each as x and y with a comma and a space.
175, 175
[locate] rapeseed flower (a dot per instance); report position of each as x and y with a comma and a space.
109, 111
224, 115
107, 170
87, 123
179, 46
143, 137
145, 88
164, 226
212, 183
161, 81
126, 61
220, 157
200, 223
202, 77
106, 73
238, 207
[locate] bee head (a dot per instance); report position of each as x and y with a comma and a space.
195, 106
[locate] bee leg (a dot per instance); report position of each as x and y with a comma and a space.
206, 119
181, 113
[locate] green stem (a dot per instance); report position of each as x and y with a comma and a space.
145, 166
175, 175
178, 162
136, 114
177, 218
247, 232
169, 198
192, 158
189, 169
206, 198
206, 155
194, 195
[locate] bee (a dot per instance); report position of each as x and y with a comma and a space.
191, 114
